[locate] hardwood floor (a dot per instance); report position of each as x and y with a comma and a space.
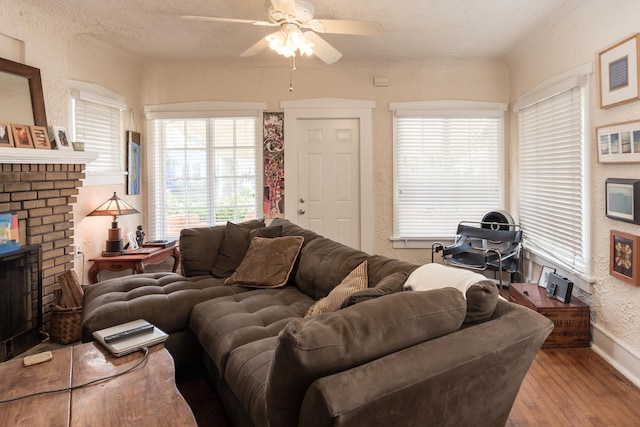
575, 387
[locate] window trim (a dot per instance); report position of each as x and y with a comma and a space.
445, 108
575, 77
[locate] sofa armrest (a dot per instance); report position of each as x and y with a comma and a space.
469, 377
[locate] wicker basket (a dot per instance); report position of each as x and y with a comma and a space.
66, 324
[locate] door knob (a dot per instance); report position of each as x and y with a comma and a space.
301, 199
301, 211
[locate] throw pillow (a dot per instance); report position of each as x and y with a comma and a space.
235, 244
390, 284
268, 262
355, 281
481, 302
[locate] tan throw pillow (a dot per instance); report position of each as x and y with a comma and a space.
355, 281
268, 262
233, 248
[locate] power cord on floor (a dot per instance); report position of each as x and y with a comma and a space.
145, 351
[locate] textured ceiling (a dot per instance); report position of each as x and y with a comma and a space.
415, 30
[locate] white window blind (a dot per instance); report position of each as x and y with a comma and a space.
552, 201
203, 172
448, 168
97, 121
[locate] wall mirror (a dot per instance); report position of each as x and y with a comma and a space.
21, 97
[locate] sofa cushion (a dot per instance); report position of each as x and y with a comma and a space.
355, 281
312, 348
323, 264
233, 248
199, 249
268, 262
224, 324
164, 299
246, 376
389, 285
481, 293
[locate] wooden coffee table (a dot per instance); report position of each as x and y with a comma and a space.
145, 396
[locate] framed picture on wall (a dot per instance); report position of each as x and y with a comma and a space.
624, 258
618, 69
619, 142
622, 199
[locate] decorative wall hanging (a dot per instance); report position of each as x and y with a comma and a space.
622, 197
618, 67
273, 151
623, 263
619, 143
134, 163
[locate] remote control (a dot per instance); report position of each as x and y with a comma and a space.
128, 333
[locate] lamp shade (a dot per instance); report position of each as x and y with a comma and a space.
114, 207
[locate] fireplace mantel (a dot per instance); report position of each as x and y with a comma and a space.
33, 156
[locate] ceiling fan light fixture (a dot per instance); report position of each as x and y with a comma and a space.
288, 41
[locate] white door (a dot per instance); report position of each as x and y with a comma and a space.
329, 178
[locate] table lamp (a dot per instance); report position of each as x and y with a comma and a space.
115, 207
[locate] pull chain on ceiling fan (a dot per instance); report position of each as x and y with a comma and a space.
292, 16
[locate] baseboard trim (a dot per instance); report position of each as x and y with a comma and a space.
623, 359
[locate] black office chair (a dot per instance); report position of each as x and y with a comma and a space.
484, 245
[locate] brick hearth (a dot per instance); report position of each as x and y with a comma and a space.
43, 195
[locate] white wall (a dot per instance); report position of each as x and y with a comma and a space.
478, 81
551, 50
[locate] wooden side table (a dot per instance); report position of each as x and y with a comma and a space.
133, 261
571, 321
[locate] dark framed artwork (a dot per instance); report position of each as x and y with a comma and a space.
624, 260
622, 199
134, 162
618, 69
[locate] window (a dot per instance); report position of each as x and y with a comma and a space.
553, 196
97, 117
203, 171
448, 166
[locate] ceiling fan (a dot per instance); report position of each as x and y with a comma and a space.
292, 16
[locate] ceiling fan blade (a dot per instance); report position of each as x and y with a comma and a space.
256, 48
232, 20
334, 26
285, 6
322, 49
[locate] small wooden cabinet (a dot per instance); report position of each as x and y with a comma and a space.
571, 321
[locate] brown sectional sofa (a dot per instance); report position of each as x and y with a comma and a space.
393, 357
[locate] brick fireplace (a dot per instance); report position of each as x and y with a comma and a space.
43, 195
